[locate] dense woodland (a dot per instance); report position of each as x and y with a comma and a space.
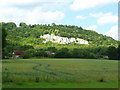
27, 37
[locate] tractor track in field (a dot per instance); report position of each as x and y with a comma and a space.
45, 68
43, 71
49, 71
65, 73
34, 68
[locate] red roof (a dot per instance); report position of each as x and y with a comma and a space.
18, 52
49, 52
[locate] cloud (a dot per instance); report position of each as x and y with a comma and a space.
80, 17
31, 4
113, 32
105, 18
37, 16
18, 2
86, 4
31, 11
31, 17
91, 27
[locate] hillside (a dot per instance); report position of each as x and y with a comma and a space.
26, 37
35, 31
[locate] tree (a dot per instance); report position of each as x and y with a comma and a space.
22, 24
46, 32
4, 34
118, 52
76, 53
53, 49
26, 47
112, 53
11, 25
41, 53
29, 53
63, 53
53, 24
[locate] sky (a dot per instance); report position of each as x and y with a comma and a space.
98, 15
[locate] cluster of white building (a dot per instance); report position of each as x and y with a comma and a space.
62, 40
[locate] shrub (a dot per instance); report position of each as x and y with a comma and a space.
28, 53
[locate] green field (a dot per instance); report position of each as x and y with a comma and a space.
60, 73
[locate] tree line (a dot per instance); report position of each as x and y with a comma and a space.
27, 37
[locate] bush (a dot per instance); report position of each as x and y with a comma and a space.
28, 53
33, 53
40, 53
112, 52
25, 55
63, 53
51, 55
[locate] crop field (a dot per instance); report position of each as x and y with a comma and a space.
59, 73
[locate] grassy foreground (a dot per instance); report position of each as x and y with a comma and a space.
60, 73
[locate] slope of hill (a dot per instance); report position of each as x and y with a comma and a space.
25, 37
34, 31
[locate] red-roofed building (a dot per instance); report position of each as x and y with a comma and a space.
49, 52
17, 53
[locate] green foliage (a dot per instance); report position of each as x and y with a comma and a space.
28, 53
22, 24
53, 24
118, 51
112, 53
33, 53
76, 53
40, 53
35, 31
53, 49
63, 53
4, 34
27, 37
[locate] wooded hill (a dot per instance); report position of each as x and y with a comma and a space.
26, 37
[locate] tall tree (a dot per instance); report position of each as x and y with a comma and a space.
119, 52
4, 34
112, 53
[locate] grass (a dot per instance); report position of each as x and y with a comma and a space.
111, 84
61, 73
